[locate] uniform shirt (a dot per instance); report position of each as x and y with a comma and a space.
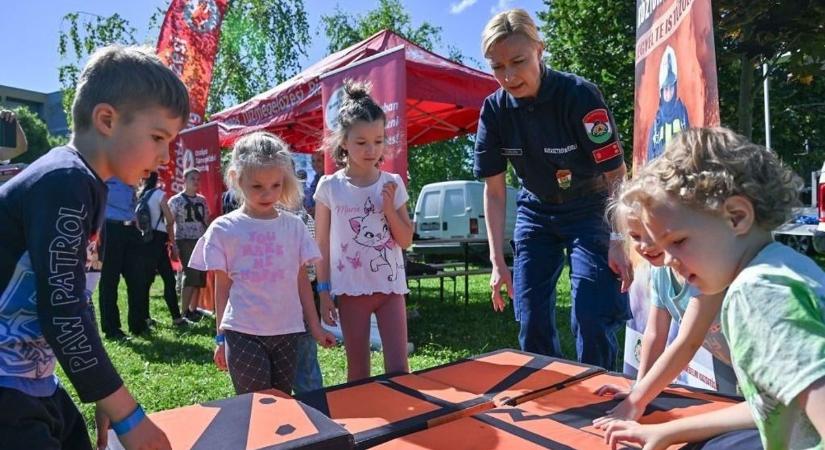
667, 294
262, 257
121, 201
191, 214
559, 142
50, 217
773, 317
363, 257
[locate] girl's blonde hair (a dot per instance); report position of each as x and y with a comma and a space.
260, 150
507, 23
703, 167
356, 105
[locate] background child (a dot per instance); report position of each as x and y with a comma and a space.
191, 218
127, 109
259, 257
711, 208
362, 224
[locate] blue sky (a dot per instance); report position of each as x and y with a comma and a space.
30, 58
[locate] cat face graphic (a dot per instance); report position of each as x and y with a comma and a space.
371, 229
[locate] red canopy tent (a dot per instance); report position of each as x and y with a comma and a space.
443, 98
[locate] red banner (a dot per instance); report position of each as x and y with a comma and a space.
188, 43
196, 147
386, 72
675, 90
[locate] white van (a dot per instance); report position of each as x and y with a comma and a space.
455, 210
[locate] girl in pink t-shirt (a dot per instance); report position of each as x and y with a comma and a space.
259, 257
362, 224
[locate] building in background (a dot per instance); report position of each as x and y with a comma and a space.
47, 106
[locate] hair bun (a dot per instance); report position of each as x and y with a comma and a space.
357, 90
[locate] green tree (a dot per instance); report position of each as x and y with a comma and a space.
80, 34
788, 35
595, 39
261, 42
343, 29
38, 138
439, 161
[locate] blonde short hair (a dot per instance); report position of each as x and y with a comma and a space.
506, 23
703, 167
258, 150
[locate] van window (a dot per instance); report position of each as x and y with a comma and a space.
454, 203
430, 204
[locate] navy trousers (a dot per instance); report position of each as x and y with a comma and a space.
546, 236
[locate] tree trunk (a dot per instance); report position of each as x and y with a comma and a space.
745, 111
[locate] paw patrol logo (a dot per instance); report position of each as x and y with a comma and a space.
201, 15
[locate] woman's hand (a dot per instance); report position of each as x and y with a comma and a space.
499, 276
617, 260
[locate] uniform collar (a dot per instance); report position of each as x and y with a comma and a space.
545, 93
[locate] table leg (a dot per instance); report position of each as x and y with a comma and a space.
466, 276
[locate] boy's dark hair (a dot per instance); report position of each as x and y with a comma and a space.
130, 79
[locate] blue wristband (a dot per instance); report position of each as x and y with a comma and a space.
130, 422
323, 286
220, 339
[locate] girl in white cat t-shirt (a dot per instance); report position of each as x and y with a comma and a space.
362, 225
259, 255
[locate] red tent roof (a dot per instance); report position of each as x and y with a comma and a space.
443, 98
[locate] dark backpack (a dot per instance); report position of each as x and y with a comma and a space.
143, 216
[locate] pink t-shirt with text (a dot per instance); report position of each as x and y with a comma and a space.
262, 257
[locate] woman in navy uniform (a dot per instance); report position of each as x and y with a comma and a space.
556, 131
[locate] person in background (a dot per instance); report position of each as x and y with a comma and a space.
122, 257
191, 214
157, 251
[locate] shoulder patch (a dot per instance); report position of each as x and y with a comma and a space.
597, 126
607, 152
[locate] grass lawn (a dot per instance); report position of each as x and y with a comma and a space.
172, 367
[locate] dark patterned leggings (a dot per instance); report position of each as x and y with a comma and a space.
257, 363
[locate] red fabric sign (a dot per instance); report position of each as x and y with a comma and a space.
199, 148
386, 72
188, 43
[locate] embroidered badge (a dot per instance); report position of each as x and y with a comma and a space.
597, 126
564, 178
511, 152
607, 152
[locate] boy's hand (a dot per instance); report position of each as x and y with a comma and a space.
388, 197
625, 410
614, 390
328, 313
325, 338
220, 357
145, 436
102, 423
651, 437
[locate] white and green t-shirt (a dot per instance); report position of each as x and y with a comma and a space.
773, 317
